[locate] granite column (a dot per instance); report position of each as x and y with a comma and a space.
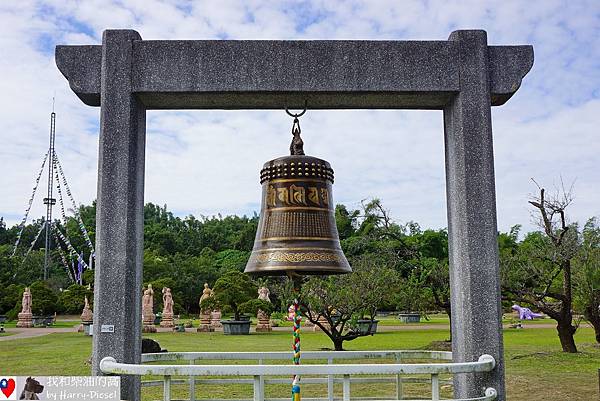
120, 211
472, 229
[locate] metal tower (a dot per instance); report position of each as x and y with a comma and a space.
49, 201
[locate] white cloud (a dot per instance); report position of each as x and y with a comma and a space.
206, 162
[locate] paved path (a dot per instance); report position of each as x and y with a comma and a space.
35, 332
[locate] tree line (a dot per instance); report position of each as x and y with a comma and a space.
555, 270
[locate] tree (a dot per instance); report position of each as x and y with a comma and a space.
342, 300
587, 275
71, 300
43, 299
10, 300
539, 273
236, 291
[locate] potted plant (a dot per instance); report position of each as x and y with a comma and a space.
236, 293
366, 324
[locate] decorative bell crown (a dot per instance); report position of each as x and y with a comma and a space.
296, 232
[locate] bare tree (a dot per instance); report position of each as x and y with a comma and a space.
540, 272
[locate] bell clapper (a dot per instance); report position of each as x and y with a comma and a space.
297, 145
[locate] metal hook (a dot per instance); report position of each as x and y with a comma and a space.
296, 115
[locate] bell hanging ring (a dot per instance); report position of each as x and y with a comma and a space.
296, 232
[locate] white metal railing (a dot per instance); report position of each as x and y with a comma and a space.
261, 374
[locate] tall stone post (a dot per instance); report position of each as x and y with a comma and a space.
119, 214
472, 230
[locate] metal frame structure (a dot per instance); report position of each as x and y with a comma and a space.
462, 76
49, 201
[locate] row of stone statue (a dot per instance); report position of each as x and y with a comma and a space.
210, 320
25, 317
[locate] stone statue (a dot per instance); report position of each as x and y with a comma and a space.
264, 319
206, 293
25, 318
167, 314
148, 310
263, 293
26, 302
205, 315
86, 314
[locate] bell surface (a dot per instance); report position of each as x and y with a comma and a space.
296, 230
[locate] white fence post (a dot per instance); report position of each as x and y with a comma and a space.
262, 382
346, 388
192, 384
399, 389
435, 387
330, 382
258, 394
167, 388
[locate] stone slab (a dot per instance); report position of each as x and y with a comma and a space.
225, 74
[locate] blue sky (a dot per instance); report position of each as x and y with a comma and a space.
547, 131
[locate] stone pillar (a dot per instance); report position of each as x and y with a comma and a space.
120, 212
472, 230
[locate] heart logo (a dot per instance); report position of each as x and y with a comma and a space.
7, 387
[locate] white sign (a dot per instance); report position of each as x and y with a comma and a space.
107, 328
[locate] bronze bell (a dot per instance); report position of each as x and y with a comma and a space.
296, 230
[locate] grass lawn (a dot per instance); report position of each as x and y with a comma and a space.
536, 368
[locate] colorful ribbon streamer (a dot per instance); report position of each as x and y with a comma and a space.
296, 348
22, 225
75, 208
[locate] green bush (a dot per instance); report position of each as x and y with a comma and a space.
43, 299
10, 296
235, 291
72, 300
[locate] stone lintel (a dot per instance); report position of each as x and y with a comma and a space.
328, 74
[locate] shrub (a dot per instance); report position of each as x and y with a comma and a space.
72, 300
43, 299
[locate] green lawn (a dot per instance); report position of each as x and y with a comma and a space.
536, 369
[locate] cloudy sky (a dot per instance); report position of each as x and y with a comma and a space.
207, 162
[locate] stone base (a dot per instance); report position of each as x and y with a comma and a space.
148, 328
25, 320
167, 320
205, 328
263, 328
216, 325
205, 321
215, 320
82, 327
